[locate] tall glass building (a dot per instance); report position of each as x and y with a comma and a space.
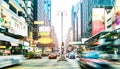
86, 18
38, 16
73, 21
81, 19
47, 7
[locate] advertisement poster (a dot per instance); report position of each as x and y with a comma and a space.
98, 22
117, 21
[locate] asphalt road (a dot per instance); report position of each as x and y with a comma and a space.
46, 63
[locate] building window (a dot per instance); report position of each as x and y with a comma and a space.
7, 1
13, 8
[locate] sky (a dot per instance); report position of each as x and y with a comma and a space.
62, 6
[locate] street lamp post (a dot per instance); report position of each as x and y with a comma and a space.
62, 42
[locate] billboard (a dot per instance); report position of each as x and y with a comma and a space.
98, 22
39, 22
44, 31
45, 40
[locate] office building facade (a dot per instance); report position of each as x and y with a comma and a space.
47, 5
13, 25
38, 16
81, 19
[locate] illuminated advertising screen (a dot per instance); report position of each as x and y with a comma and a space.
98, 20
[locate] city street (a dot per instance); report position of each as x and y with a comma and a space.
59, 34
46, 63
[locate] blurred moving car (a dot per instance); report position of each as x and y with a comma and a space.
37, 55
92, 60
29, 55
71, 55
57, 53
108, 56
11, 60
90, 54
52, 56
112, 57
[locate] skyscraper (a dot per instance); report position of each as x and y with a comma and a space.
81, 19
38, 16
47, 7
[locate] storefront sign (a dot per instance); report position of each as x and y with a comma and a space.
45, 40
44, 29
44, 33
39, 22
2, 46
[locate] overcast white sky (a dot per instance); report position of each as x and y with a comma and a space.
62, 5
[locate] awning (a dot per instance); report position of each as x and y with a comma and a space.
76, 43
7, 38
105, 44
91, 39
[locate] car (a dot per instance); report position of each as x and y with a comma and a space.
90, 54
71, 55
57, 53
108, 56
92, 60
52, 56
37, 55
112, 57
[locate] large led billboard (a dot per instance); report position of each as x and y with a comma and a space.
98, 20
